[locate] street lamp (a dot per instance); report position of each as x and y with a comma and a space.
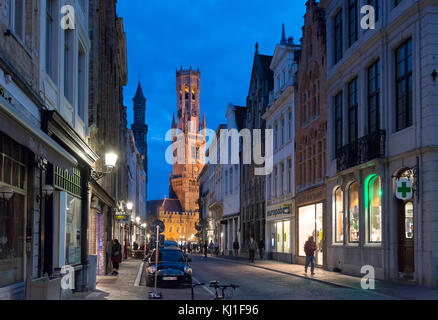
129, 206
110, 164
138, 219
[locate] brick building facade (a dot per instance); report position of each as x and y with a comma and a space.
310, 134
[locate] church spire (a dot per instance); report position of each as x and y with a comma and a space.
283, 36
139, 94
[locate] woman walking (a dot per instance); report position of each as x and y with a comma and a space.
116, 256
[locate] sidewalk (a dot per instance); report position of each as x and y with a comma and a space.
121, 287
394, 290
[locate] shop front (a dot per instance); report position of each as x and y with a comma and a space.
25, 195
13, 207
280, 224
310, 223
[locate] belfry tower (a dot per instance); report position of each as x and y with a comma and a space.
189, 137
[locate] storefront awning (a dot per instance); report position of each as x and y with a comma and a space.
19, 128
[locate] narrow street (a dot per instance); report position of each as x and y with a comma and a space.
264, 280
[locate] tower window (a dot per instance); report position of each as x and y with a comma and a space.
187, 93
193, 94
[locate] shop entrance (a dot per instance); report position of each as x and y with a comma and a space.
311, 224
406, 262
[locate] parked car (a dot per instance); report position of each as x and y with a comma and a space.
170, 244
173, 268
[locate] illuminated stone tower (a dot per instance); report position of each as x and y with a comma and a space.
189, 138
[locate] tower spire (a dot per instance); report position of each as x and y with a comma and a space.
283, 36
173, 122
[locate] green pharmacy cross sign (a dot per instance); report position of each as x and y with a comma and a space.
404, 189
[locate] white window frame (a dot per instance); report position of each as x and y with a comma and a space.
11, 19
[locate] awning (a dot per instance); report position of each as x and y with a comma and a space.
19, 128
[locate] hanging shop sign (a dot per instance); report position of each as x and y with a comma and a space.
404, 189
122, 217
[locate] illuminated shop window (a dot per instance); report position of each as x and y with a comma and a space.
373, 203
353, 212
339, 216
409, 220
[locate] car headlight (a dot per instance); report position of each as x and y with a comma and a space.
152, 269
188, 270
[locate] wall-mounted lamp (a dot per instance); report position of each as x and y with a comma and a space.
6, 193
129, 206
47, 191
110, 164
144, 225
137, 219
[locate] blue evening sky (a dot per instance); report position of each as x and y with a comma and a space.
219, 36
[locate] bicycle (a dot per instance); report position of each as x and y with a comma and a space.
221, 289
193, 286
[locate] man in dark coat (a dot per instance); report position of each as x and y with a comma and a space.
116, 256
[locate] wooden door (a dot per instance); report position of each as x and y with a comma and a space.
406, 262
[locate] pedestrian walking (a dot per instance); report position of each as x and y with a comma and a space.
211, 247
108, 253
252, 247
262, 248
206, 249
309, 249
116, 256
236, 247
135, 245
216, 247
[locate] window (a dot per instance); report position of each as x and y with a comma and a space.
310, 220
289, 189
275, 182
374, 97
352, 22
82, 104
338, 121
373, 203
353, 212
68, 64
404, 86
50, 39
352, 111
409, 220
282, 131
290, 126
275, 136
73, 230
17, 18
338, 37
282, 179
339, 216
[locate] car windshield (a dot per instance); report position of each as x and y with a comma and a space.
169, 255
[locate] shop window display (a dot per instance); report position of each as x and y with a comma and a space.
373, 198
409, 220
73, 233
310, 224
339, 216
12, 240
353, 217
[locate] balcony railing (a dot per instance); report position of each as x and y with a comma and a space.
365, 149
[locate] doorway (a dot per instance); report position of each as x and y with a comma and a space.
310, 223
406, 238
